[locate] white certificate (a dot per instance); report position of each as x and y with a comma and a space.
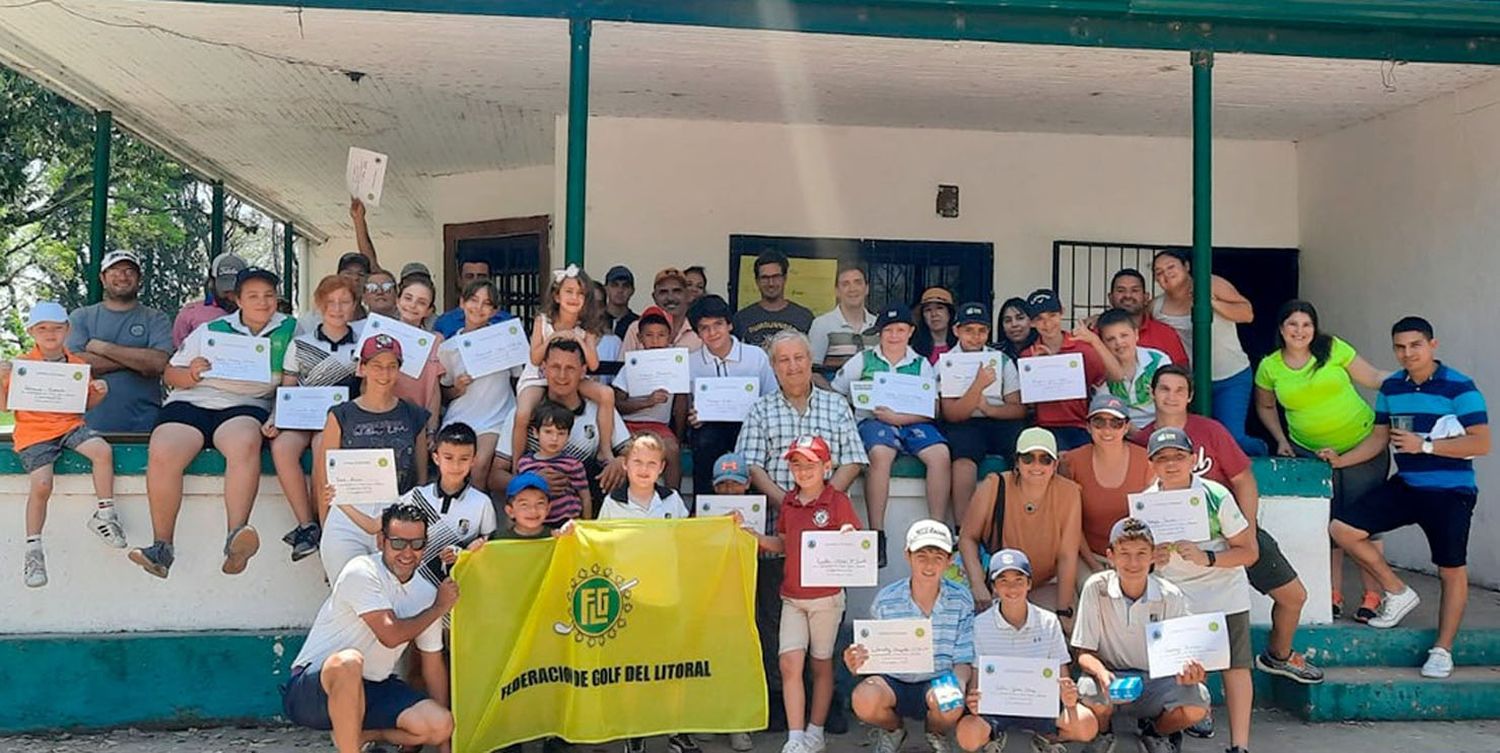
1180, 515
724, 398
1048, 378
365, 175
839, 558
895, 646
307, 407
48, 386
493, 348
416, 344
658, 369
240, 358
956, 371
1203, 638
363, 476
1009, 686
752, 507
905, 393
862, 394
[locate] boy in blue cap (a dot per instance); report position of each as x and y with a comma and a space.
526, 504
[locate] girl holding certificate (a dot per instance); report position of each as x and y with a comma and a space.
413, 307
483, 403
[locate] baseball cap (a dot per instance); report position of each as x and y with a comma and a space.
936, 295
1009, 559
46, 311
354, 257
1036, 438
1168, 437
709, 307
655, 312
896, 313
414, 268
115, 257
667, 274
255, 273
810, 447
225, 270
380, 344
732, 466
1042, 301
1103, 402
619, 272
973, 313
928, 532
523, 481
1130, 527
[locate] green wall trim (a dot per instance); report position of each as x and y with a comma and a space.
130, 460
1293, 477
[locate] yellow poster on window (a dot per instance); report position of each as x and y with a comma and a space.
809, 282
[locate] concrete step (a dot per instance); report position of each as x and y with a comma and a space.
1349, 644
1393, 694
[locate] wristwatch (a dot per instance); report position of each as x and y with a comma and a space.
1066, 612
1212, 558
1427, 447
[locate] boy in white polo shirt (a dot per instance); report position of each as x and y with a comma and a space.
1110, 634
644, 496
1015, 628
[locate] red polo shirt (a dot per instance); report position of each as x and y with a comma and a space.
829, 512
1070, 412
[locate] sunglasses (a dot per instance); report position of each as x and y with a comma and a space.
1031, 458
399, 544
379, 287
1107, 422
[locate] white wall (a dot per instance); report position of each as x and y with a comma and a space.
1399, 216
669, 192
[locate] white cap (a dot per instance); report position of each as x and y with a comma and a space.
47, 311
115, 257
925, 533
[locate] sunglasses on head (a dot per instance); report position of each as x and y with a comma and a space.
399, 543
1107, 422
1036, 457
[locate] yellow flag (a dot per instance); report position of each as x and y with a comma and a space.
626, 628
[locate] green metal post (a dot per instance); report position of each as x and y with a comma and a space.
216, 222
1203, 239
103, 128
288, 261
581, 31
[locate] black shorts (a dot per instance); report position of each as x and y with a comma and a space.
207, 421
975, 438
1442, 514
1272, 570
305, 704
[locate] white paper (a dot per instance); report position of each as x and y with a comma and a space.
905, 393
365, 175
240, 358
862, 394
416, 343
363, 476
306, 408
492, 349
658, 369
1048, 378
727, 399
48, 386
1180, 515
1202, 637
839, 558
1009, 686
752, 507
896, 647
957, 371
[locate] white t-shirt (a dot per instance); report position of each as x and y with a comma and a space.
1212, 589
583, 441
665, 504
489, 402
363, 587
1040, 638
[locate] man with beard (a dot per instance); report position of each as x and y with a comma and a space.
1127, 292
669, 291
127, 344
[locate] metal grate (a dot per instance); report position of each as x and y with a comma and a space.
1081, 273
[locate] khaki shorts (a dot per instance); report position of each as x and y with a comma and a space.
811, 625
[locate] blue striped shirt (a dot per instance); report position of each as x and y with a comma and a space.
952, 622
1446, 393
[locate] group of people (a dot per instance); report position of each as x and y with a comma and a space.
1045, 550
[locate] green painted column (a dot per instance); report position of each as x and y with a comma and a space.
216, 222
1203, 243
288, 261
98, 222
581, 32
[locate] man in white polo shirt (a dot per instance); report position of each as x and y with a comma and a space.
344, 678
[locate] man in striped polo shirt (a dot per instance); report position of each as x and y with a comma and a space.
1434, 420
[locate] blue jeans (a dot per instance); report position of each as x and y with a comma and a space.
1231, 406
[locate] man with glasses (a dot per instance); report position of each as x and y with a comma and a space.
757, 323
344, 678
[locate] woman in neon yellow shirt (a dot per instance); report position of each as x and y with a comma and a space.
1312, 376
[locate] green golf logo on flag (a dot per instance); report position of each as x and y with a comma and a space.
597, 605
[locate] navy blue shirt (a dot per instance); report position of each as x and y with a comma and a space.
1446, 393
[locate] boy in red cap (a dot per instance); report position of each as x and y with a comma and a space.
810, 617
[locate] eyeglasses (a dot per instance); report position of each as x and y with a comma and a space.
769, 278
1107, 422
379, 287
399, 544
1036, 457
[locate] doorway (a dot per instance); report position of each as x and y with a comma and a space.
518, 252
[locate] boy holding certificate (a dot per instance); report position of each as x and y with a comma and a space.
41, 436
1211, 573
810, 616
1016, 629
1110, 636
886, 433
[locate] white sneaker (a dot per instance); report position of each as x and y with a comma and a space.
740, 741
938, 743
814, 743
106, 525
1439, 663
1394, 608
889, 742
794, 746
35, 568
